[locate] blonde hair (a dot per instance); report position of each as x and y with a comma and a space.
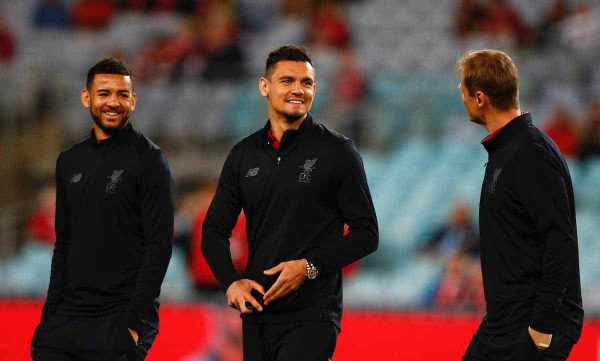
494, 73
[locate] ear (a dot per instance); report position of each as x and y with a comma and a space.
263, 86
133, 100
481, 98
85, 98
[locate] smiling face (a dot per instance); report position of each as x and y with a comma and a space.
289, 89
110, 99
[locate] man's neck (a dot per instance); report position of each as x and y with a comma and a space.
99, 133
279, 126
495, 120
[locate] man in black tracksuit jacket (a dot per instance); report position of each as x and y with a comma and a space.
114, 229
529, 252
297, 188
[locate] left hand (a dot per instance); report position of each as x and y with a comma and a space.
134, 335
541, 340
292, 275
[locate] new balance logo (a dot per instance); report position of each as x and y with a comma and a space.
76, 178
252, 172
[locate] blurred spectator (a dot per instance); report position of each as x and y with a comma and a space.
555, 13
461, 285
469, 17
40, 225
92, 13
353, 267
7, 44
148, 5
473, 293
301, 9
50, 14
185, 7
344, 113
457, 242
227, 344
206, 45
582, 28
203, 278
561, 128
188, 204
503, 22
329, 27
164, 56
219, 41
457, 237
590, 141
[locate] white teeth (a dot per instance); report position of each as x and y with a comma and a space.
296, 101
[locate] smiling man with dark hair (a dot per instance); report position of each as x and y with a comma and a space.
298, 183
114, 230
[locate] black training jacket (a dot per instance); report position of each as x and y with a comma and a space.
529, 252
114, 229
296, 201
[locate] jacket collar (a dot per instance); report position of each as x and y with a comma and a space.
121, 136
510, 130
290, 137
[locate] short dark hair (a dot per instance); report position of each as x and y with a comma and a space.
286, 52
106, 66
494, 73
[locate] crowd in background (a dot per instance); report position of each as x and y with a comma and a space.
209, 46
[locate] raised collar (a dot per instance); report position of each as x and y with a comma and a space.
504, 134
121, 136
289, 136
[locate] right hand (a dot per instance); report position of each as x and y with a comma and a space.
240, 292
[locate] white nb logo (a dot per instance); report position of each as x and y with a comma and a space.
252, 172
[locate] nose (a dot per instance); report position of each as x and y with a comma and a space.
113, 101
297, 90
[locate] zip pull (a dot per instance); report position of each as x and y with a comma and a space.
278, 160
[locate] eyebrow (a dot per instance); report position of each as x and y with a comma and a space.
118, 91
293, 77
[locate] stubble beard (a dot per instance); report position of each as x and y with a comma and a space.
108, 129
292, 118
477, 120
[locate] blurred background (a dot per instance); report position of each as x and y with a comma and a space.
385, 77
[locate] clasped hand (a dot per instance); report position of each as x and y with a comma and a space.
292, 275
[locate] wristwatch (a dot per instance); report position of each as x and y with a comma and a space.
311, 271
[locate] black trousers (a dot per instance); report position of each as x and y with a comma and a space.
294, 341
516, 346
101, 338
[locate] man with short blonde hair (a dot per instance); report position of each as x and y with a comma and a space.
529, 251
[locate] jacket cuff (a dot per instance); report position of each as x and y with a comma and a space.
543, 327
225, 285
133, 322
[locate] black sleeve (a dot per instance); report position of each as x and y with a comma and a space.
220, 220
157, 220
542, 186
356, 207
58, 270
